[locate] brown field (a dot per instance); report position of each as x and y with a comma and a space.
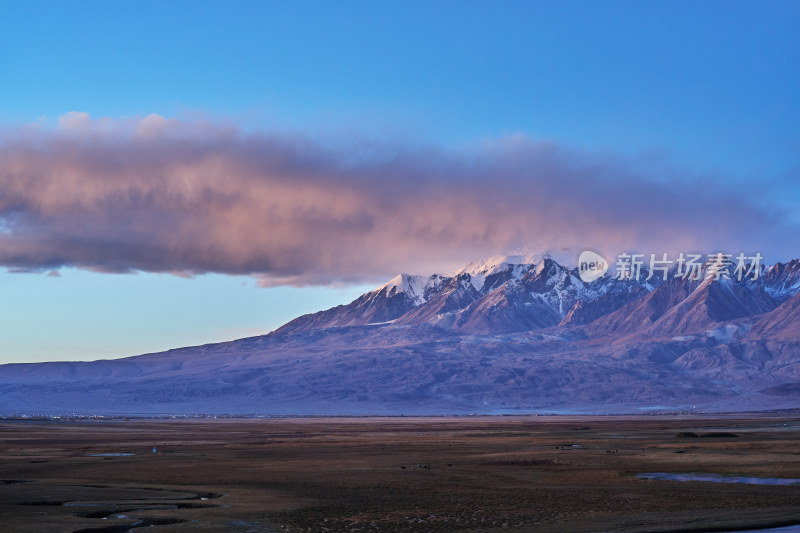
396, 474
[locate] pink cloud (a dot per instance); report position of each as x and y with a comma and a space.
163, 195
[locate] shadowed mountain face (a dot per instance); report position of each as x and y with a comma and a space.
781, 323
503, 335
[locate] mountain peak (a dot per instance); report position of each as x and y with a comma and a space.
480, 270
498, 263
782, 280
413, 286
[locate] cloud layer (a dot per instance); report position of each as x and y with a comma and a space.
162, 195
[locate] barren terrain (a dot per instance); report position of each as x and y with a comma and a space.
532, 473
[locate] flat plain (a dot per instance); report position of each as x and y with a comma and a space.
523, 473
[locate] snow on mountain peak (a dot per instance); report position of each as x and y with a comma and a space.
480, 270
782, 280
498, 263
412, 285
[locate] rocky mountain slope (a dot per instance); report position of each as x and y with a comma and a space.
510, 334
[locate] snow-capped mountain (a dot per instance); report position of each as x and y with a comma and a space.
499, 295
509, 334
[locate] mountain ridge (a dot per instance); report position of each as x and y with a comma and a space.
494, 337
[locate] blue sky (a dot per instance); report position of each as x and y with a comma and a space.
697, 90
715, 84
